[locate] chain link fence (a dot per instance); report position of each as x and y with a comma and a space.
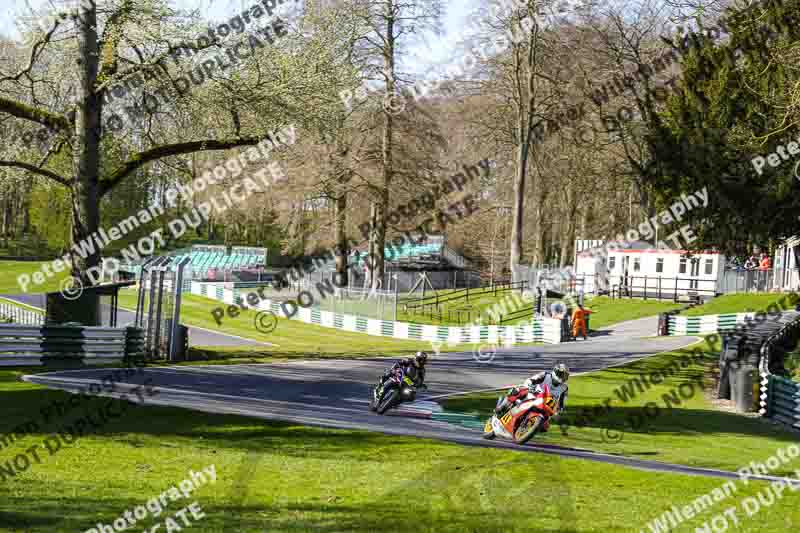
359, 299
351, 299
746, 281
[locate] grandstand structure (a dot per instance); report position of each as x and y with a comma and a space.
213, 263
426, 253
406, 264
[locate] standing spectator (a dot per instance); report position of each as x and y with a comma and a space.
751, 283
579, 322
764, 266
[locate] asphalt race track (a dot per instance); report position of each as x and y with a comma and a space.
339, 389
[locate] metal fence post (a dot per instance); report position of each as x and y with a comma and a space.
176, 311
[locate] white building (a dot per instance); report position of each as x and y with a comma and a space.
785, 265
637, 268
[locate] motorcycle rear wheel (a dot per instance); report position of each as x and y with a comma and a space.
388, 401
527, 429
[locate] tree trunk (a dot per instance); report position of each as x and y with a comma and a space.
539, 239
515, 256
8, 213
369, 272
85, 199
340, 237
25, 205
569, 224
387, 146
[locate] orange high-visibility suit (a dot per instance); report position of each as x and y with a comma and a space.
579, 322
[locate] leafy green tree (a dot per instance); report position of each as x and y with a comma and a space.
736, 101
49, 214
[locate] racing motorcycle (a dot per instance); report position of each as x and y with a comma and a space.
521, 422
397, 388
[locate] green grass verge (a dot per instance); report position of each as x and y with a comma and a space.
607, 311
292, 338
281, 477
672, 421
735, 303
11, 270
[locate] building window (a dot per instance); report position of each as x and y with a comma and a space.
682, 267
659, 265
637, 264
612, 261
709, 266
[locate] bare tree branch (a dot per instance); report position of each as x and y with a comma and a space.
36, 170
159, 152
40, 116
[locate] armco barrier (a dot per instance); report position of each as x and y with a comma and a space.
543, 329
38, 345
706, 324
779, 396
781, 400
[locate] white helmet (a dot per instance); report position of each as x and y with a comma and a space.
561, 372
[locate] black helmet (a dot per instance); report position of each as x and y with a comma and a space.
561, 372
421, 358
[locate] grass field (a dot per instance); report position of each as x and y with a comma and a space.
735, 303
289, 478
607, 311
11, 270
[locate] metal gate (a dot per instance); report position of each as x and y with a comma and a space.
158, 308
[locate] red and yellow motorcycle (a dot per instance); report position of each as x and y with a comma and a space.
520, 422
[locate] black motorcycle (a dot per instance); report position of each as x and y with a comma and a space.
388, 393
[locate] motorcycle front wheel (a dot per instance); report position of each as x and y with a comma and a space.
528, 428
388, 401
373, 403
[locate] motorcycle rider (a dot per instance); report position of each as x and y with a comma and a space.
413, 367
556, 380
